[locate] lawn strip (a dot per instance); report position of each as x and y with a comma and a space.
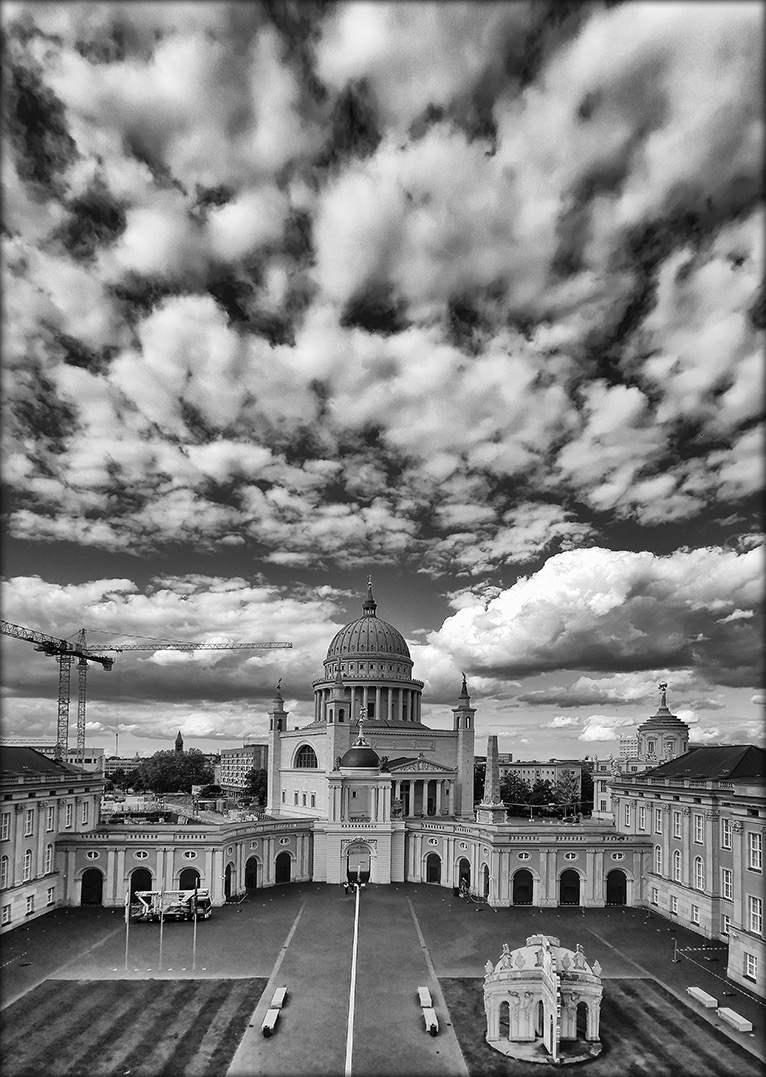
208, 1047
119, 1001
155, 1004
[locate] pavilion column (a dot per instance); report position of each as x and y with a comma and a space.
411, 797
390, 701
365, 693
438, 798
377, 703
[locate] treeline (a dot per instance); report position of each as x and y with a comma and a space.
177, 772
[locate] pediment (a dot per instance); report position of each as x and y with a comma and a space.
420, 765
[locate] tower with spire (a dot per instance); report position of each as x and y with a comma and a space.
462, 724
179, 742
277, 726
663, 736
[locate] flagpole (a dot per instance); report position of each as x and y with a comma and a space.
194, 936
162, 922
127, 925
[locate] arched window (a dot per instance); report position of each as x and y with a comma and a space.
699, 873
26, 873
658, 859
4, 867
677, 866
306, 757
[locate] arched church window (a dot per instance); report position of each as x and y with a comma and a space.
306, 757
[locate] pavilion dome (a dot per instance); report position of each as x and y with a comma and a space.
360, 755
523, 959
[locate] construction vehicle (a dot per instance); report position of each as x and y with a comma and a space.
171, 905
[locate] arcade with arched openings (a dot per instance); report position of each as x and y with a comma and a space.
523, 887
140, 879
92, 887
251, 873
616, 887
283, 868
433, 873
228, 879
189, 879
463, 873
569, 887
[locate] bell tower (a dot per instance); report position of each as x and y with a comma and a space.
277, 726
463, 716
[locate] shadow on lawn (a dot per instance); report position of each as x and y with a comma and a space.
644, 1030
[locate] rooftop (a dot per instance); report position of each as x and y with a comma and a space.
725, 762
29, 763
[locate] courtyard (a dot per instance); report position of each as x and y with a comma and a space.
76, 1000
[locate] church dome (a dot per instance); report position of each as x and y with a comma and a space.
368, 637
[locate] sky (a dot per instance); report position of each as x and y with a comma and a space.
464, 296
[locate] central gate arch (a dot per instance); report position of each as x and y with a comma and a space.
358, 862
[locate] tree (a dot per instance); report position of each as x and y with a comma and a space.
211, 791
515, 792
257, 784
586, 793
566, 792
541, 792
172, 771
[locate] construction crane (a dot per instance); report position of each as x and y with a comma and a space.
64, 652
198, 647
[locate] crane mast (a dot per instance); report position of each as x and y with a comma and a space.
64, 651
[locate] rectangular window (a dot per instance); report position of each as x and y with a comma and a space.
6, 914
658, 820
602, 804
51, 892
655, 896
5, 826
754, 851
303, 801
751, 967
726, 833
29, 822
642, 818
725, 920
50, 815
313, 800
627, 815
84, 816
284, 796
68, 815
30, 903
674, 904
695, 914
727, 891
699, 829
295, 798
676, 824
755, 914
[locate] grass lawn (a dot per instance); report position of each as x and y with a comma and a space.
146, 1027
645, 1032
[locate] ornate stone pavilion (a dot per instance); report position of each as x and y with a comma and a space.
543, 1002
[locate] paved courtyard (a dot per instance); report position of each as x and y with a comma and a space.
69, 1001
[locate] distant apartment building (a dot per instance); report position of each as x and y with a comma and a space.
532, 770
628, 747
125, 763
235, 763
41, 801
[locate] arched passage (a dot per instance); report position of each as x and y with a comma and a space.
140, 879
464, 872
92, 888
283, 868
569, 887
227, 881
485, 881
504, 1020
616, 887
582, 1020
433, 868
251, 873
189, 879
523, 884
358, 862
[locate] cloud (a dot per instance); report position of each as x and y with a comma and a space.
615, 612
603, 727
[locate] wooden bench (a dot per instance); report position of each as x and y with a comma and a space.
707, 1000
425, 997
431, 1020
269, 1022
278, 998
734, 1019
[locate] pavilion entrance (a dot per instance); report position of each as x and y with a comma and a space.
358, 862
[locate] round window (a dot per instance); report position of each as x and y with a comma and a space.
431, 841
230, 850
190, 855
284, 841
570, 856
463, 844
92, 855
253, 844
485, 850
618, 856
141, 854
524, 856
